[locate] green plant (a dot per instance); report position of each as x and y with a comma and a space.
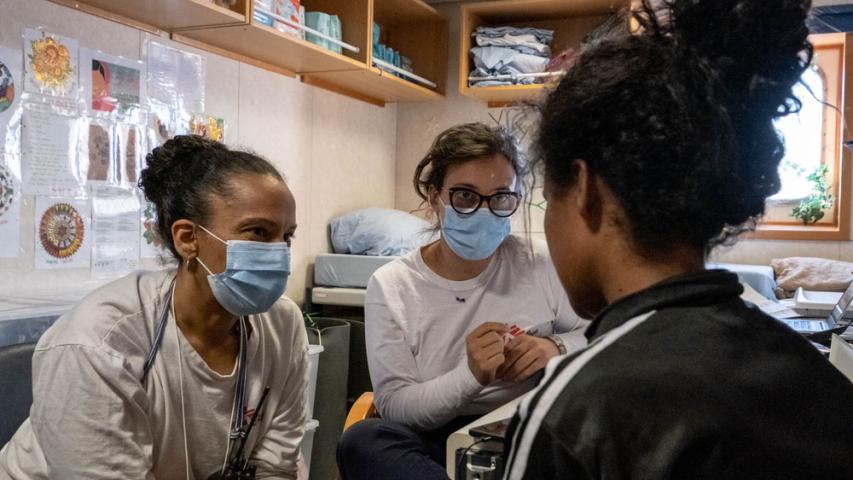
811, 209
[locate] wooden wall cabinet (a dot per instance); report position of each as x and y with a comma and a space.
411, 26
570, 20
419, 32
163, 15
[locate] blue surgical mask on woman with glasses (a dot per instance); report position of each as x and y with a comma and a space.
474, 232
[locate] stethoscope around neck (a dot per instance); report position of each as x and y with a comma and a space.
238, 429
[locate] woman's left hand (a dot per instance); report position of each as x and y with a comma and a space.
526, 355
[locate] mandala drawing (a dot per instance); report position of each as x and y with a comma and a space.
7, 88
61, 231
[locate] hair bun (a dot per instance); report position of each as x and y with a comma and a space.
168, 166
677, 116
757, 48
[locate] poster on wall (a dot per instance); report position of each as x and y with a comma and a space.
99, 153
208, 127
62, 233
115, 227
51, 64
111, 85
150, 245
49, 152
176, 85
10, 213
10, 100
131, 152
7, 87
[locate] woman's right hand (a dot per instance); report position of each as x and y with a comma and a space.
485, 348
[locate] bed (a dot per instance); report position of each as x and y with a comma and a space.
341, 279
759, 277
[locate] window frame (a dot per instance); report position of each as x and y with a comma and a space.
839, 227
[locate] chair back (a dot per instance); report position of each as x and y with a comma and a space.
16, 388
362, 408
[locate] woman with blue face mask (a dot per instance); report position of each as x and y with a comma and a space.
160, 374
439, 321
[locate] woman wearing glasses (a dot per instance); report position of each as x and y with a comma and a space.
438, 320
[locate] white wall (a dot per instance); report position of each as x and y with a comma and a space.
419, 124
337, 153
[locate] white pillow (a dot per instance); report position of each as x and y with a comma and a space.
379, 231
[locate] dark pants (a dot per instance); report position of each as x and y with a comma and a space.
381, 449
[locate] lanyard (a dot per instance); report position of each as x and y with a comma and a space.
237, 430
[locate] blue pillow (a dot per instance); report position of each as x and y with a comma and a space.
379, 231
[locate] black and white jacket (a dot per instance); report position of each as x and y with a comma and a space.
685, 381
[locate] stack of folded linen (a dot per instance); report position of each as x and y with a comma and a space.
507, 52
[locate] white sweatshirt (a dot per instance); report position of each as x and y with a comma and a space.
416, 323
92, 417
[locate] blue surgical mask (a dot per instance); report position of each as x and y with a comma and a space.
255, 275
474, 236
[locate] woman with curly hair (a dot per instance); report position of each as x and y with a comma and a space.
162, 374
656, 146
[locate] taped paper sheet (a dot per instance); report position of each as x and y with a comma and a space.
176, 84
115, 230
112, 86
49, 152
10, 212
11, 90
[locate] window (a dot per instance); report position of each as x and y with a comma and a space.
813, 150
804, 137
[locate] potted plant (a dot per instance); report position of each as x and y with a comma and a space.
811, 209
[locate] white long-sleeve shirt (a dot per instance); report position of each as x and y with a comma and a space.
416, 323
93, 418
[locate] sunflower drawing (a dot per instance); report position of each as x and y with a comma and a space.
50, 62
61, 230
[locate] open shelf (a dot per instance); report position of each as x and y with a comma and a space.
412, 27
501, 95
270, 46
373, 86
290, 52
415, 29
167, 15
419, 32
571, 21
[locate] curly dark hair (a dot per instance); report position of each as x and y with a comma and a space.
677, 115
183, 173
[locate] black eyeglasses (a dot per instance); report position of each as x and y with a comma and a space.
466, 201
